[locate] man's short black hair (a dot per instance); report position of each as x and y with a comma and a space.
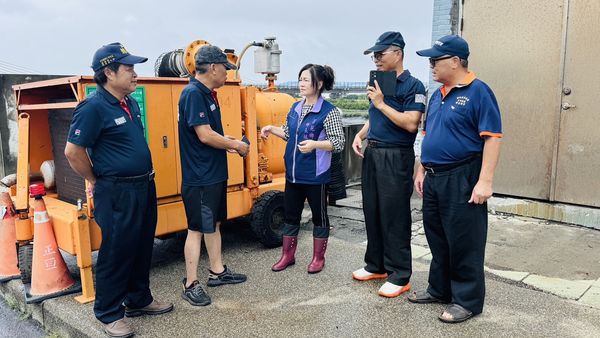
99, 76
202, 68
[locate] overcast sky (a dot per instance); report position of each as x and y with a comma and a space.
60, 37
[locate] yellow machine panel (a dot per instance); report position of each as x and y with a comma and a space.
255, 182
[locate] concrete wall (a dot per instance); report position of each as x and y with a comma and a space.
549, 51
445, 22
352, 163
8, 118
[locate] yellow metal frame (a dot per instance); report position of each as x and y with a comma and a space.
75, 228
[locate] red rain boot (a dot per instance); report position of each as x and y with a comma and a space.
288, 250
318, 261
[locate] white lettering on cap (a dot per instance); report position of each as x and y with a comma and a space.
439, 43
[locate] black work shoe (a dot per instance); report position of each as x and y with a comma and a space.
195, 294
225, 277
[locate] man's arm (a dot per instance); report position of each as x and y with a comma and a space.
419, 179
79, 161
483, 189
360, 136
409, 120
209, 137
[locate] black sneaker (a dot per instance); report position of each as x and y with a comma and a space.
225, 277
194, 294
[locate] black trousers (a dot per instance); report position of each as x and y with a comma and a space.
456, 232
295, 195
126, 212
387, 186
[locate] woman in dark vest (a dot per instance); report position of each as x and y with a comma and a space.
313, 131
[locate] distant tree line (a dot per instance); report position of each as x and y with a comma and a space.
351, 102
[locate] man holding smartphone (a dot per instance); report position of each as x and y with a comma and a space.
387, 168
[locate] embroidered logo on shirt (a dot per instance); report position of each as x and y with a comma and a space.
77, 132
461, 100
119, 121
201, 114
213, 107
420, 98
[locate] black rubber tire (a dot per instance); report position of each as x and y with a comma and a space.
267, 218
25, 260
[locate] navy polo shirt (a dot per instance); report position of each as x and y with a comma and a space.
457, 121
201, 164
410, 96
115, 142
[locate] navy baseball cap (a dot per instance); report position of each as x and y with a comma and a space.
385, 40
213, 54
114, 52
452, 45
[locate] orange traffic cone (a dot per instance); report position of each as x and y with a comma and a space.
8, 251
50, 276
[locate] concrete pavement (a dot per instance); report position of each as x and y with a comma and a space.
295, 304
523, 257
557, 258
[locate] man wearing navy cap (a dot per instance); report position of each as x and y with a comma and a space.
203, 148
458, 158
106, 146
387, 169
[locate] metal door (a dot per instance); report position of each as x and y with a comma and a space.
578, 159
516, 49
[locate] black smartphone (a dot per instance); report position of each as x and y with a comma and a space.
245, 140
385, 80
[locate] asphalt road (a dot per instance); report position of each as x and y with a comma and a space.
329, 304
11, 325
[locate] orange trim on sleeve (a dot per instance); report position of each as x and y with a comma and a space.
487, 133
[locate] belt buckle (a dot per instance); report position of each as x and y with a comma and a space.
429, 170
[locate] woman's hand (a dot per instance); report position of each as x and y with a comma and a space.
266, 131
307, 146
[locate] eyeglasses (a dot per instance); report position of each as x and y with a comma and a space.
432, 61
378, 55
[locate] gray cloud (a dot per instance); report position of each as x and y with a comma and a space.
59, 37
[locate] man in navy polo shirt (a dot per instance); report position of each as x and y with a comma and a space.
106, 146
387, 169
203, 148
458, 158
